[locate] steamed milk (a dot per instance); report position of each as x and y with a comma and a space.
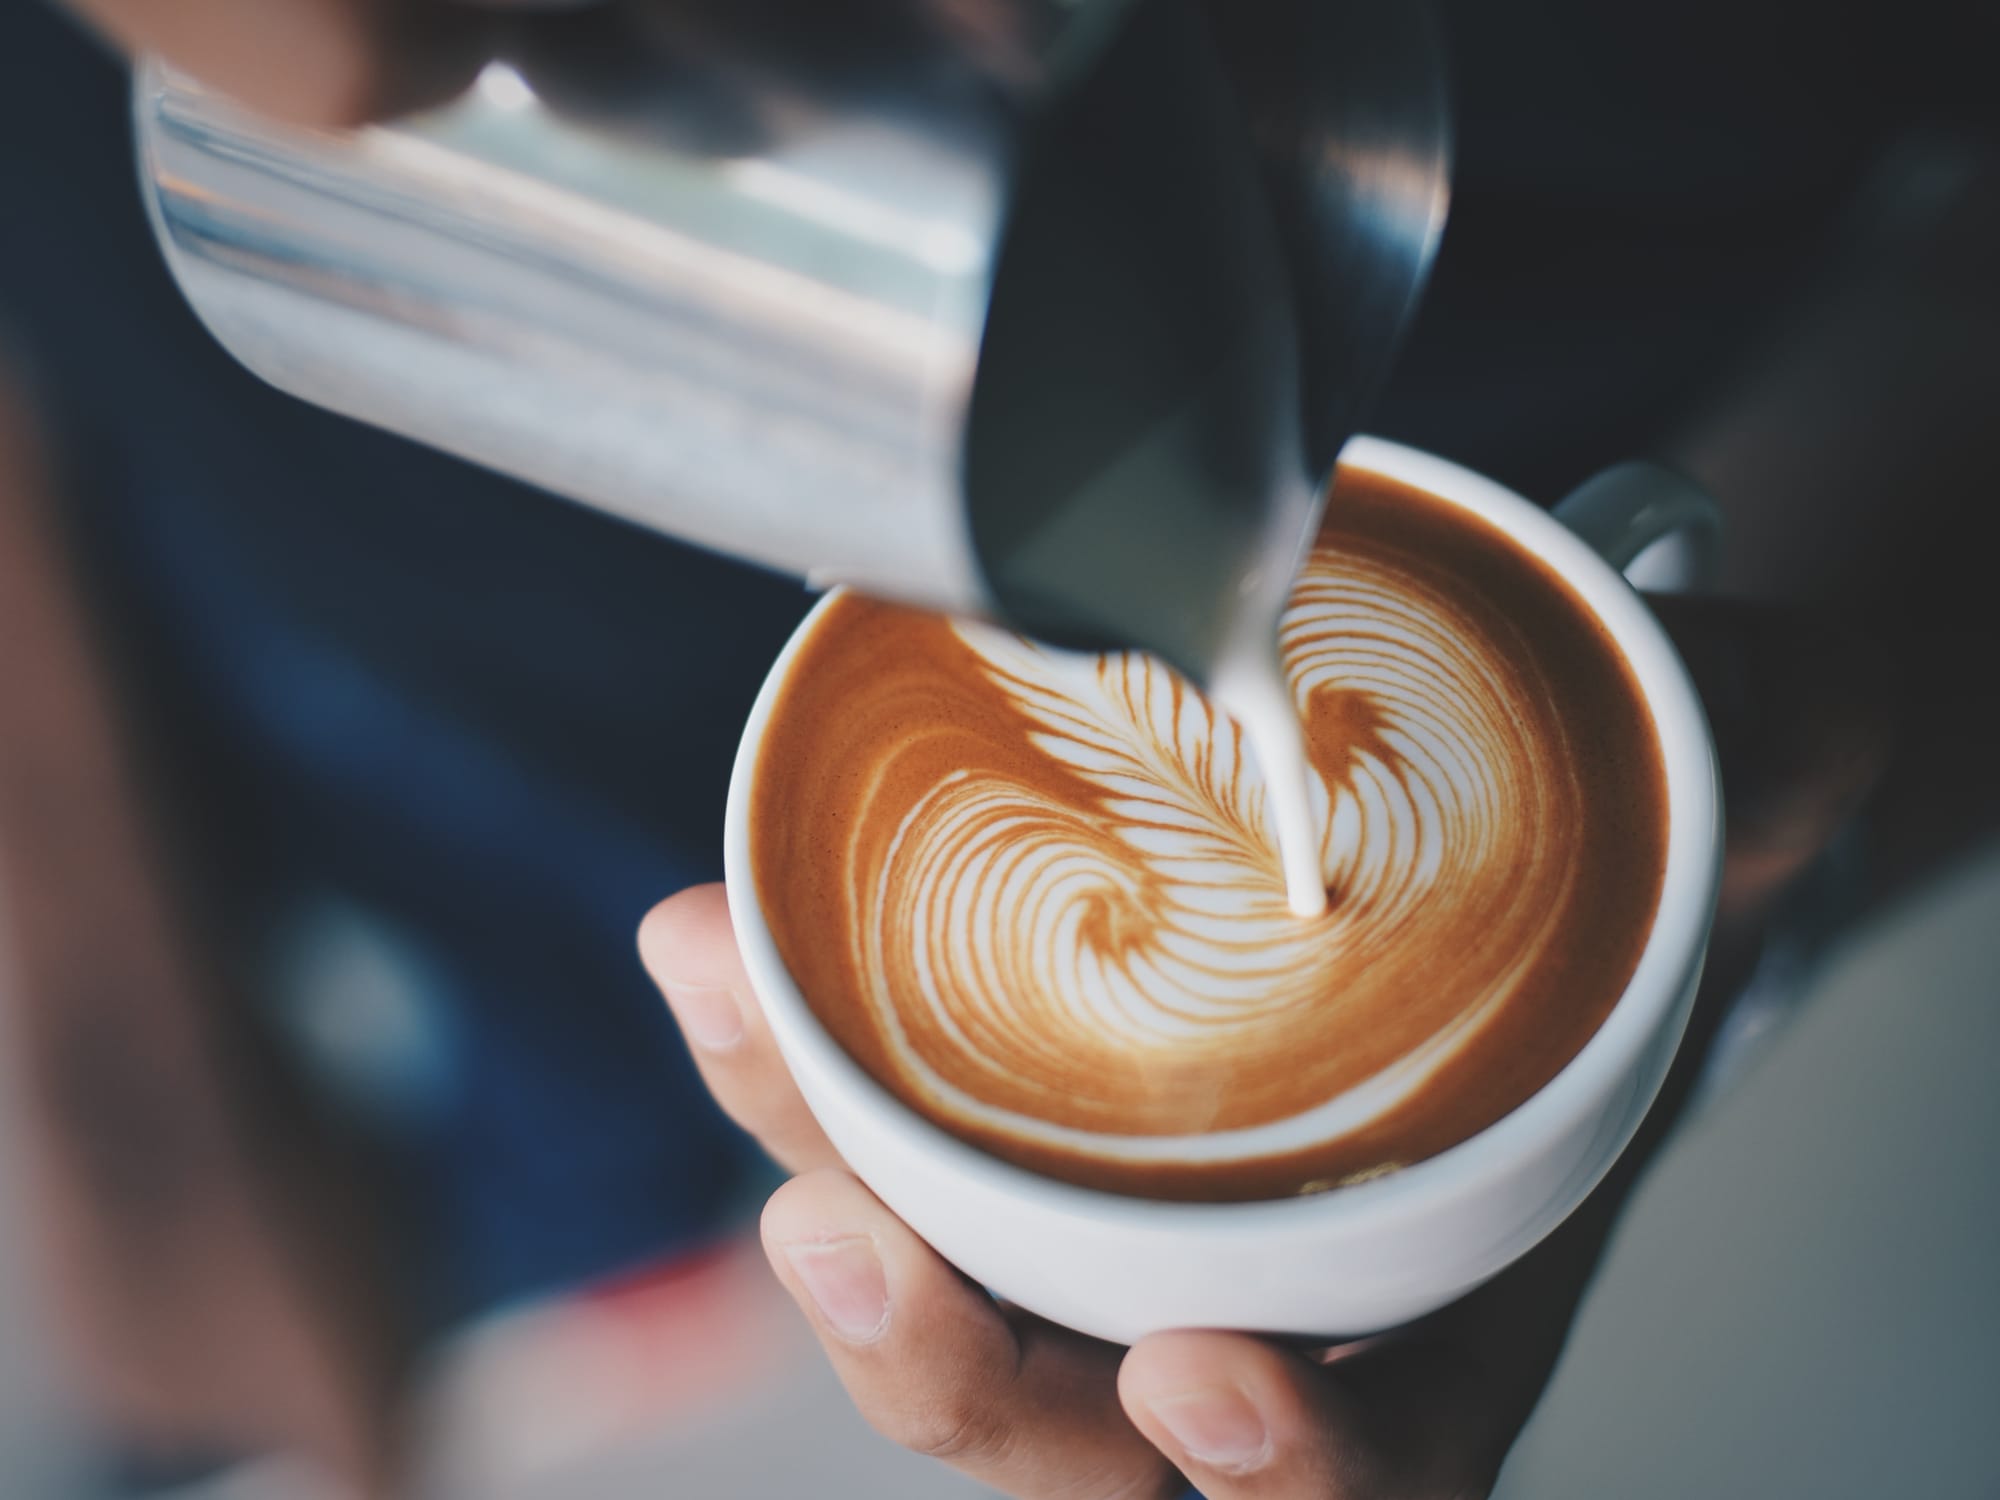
1258, 698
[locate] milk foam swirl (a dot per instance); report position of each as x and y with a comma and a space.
1067, 973
1038, 896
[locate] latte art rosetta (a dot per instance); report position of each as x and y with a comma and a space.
1066, 922
1012, 935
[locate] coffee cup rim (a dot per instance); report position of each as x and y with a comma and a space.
1675, 947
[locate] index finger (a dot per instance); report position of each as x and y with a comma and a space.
938, 1367
689, 948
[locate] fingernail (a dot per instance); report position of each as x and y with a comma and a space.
1217, 1427
845, 1280
708, 1013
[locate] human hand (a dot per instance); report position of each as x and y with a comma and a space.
340, 63
1042, 1413
326, 63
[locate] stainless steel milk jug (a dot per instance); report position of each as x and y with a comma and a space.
1054, 312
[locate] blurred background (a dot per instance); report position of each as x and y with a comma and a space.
1801, 1303
335, 777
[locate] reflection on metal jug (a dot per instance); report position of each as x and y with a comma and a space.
1052, 313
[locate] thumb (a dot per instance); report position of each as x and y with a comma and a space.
1241, 1417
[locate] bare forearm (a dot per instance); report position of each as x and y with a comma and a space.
1858, 456
183, 1209
1855, 443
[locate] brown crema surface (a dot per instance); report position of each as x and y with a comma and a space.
1037, 898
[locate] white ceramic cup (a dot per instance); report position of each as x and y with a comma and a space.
1371, 1256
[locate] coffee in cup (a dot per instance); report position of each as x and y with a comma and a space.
1038, 896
